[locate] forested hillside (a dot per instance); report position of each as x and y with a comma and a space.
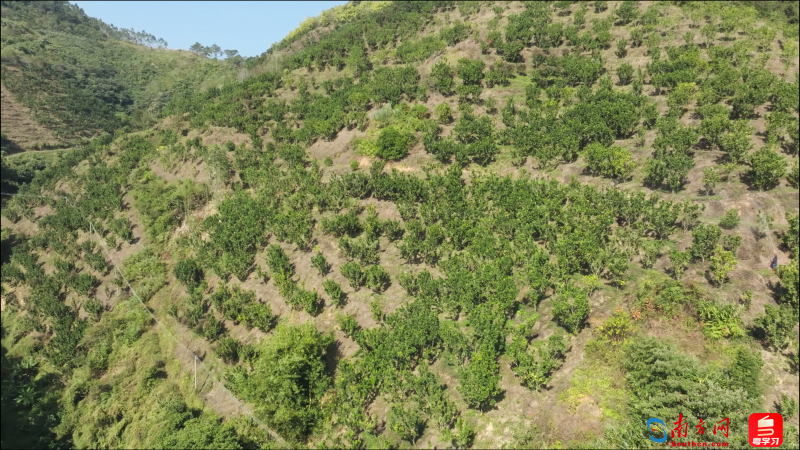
81, 77
426, 224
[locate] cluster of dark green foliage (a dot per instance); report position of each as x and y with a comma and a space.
241, 306
665, 383
419, 50
552, 137
296, 296
287, 379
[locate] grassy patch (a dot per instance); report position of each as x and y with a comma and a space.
603, 384
519, 82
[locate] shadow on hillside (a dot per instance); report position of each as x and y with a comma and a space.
9, 146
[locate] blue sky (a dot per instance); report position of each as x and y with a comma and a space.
250, 27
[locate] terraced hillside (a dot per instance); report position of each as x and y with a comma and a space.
428, 224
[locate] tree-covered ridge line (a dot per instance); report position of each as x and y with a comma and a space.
137, 37
67, 17
478, 278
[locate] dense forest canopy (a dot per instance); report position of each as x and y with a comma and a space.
408, 224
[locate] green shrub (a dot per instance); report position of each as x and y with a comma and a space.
259, 315
791, 238
479, 379
704, 240
787, 406
455, 34
122, 227
288, 380
668, 171
392, 230
146, 271
355, 276
468, 93
730, 220
637, 37
228, 349
775, 326
614, 162
319, 262
652, 251
393, 144
376, 278
363, 147
294, 155
535, 367
622, 48
744, 372
625, 73
617, 327
746, 298
213, 328
364, 250
94, 308
97, 262
334, 292
442, 75
237, 231
789, 289
710, 179
278, 261
600, 6
348, 324
731, 243
497, 76
580, 69
736, 142
188, 272
662, 297
463, 435
309, 301
419, 50
471, 71
571, 308
406, 421
444, 113
766, 168
627, 12
376, 308
420, 112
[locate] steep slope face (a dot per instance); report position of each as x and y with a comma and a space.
450, 224
19, 124
80, 79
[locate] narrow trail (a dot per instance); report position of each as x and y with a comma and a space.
34, 152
